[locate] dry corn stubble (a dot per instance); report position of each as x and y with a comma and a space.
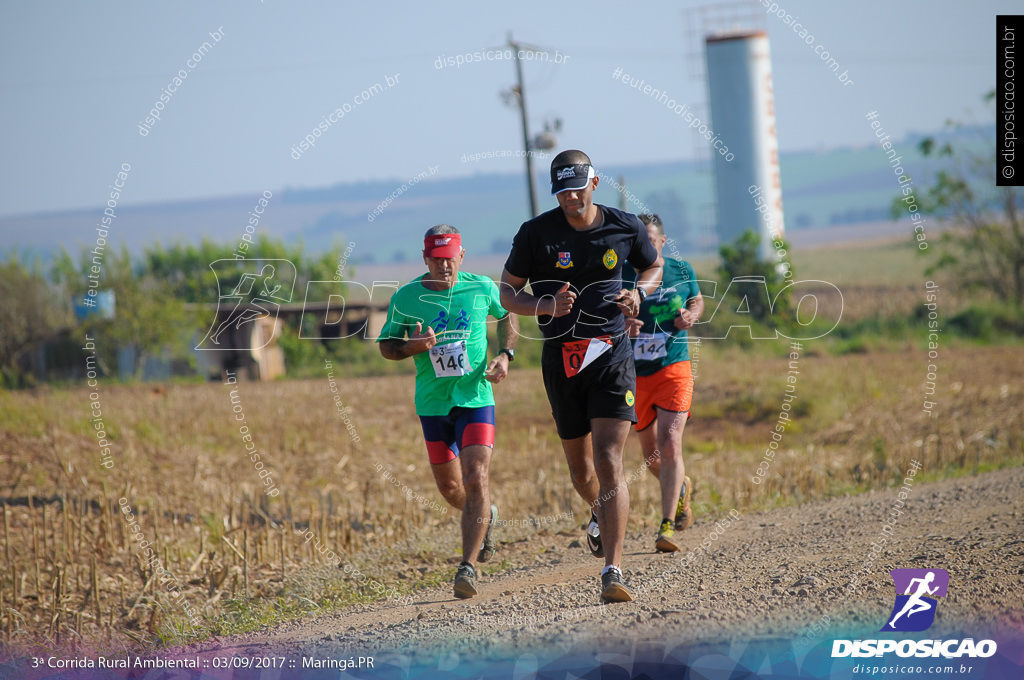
74, 581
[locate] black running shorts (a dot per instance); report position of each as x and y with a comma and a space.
604, 389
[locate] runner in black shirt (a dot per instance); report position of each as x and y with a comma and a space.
572, 257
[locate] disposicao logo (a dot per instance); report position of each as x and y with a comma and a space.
914, 611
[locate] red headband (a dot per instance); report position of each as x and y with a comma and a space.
442, 245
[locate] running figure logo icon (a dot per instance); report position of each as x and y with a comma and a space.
249, 291
914, 610
440, 322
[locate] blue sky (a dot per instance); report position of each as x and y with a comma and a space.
78, 77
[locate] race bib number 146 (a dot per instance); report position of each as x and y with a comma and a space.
449, 360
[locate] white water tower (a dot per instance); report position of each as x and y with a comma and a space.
749, 186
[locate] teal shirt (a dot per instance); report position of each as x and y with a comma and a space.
452, 373
661, 343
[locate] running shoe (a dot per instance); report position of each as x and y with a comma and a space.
684, 516
465, 581
489, 547
665, 542
594, 537
613, 589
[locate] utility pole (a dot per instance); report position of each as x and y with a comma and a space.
521, 91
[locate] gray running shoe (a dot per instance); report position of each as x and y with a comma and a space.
465, 581
613, 589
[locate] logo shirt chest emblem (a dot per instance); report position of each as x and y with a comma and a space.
610, 259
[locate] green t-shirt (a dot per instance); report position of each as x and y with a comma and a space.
661, 343
452, 373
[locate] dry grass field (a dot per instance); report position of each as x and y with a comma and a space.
354, 491
74, 579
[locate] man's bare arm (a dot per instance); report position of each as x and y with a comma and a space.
516, 300
396, 350
649, 279
691, 313
508, 331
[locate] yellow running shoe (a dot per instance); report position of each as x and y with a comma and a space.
666, 542
684, 516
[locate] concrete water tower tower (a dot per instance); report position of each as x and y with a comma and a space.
749, 186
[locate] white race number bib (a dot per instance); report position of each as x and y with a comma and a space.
649, 346
449, 360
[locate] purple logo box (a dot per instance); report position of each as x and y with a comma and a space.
902, 578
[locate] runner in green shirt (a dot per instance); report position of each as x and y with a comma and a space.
664, 382
440, 319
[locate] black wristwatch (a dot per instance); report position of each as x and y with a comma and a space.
511, 354
642, 293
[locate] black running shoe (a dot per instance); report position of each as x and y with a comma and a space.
465, 581
489, 547
613, 589
594, 537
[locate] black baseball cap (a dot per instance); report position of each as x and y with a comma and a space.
570, 177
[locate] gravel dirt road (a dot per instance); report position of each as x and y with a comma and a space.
800, 574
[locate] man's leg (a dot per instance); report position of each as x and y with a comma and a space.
580, 459
612, 505
463, 482
448, 477
647, 422
673, 393
476, 510
649, 448
670, 461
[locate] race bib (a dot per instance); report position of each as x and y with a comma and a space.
449, 360
579, 354
649, 346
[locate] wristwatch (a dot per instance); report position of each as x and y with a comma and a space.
642, 293
511, 354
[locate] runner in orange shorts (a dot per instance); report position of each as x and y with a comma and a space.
664, 382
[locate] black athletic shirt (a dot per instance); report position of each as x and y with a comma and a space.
549, 252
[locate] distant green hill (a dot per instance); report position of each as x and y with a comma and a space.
820, 188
